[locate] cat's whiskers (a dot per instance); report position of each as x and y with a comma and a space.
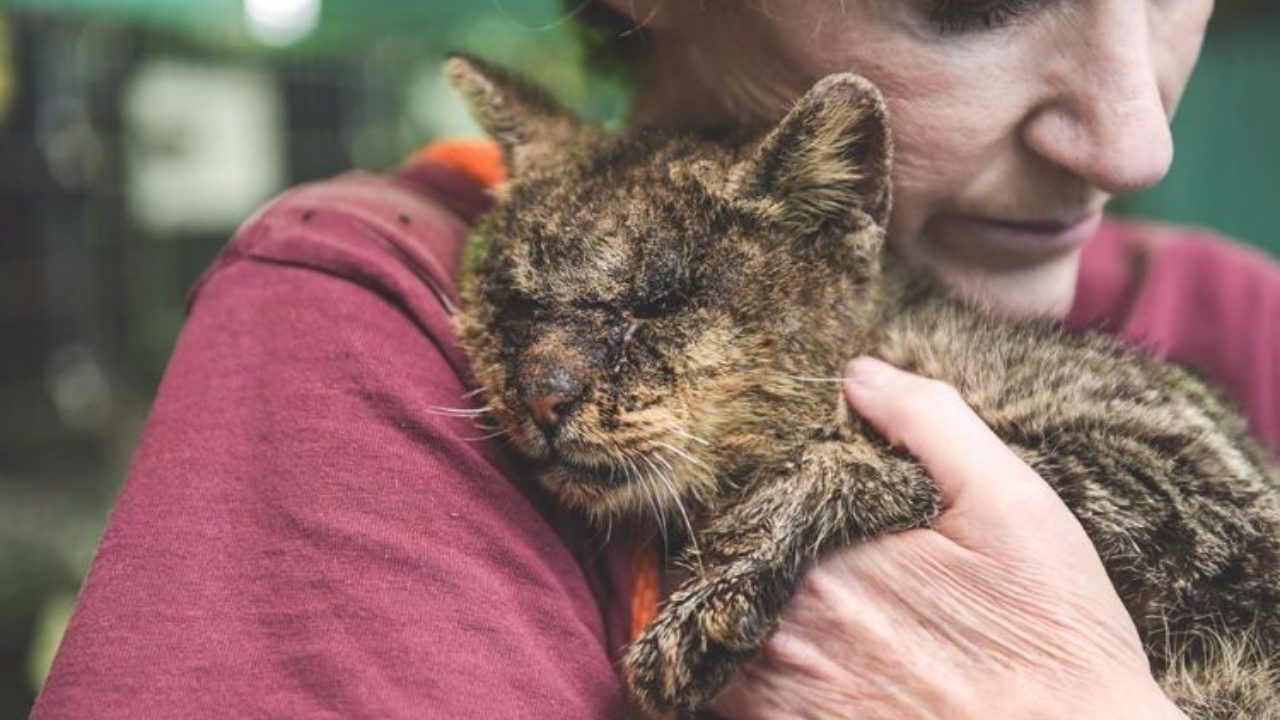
634, 477
663, 461
475, 415
669, 483
499, 432
698, 465
657, 500
459, 412
651, 484
690, 436
655, 504
685, 455
806, 378
662, 480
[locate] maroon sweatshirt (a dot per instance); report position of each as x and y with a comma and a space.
303, 533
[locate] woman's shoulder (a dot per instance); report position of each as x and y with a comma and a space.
312, 520
375, 228
1192, 296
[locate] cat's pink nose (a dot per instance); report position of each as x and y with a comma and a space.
551, 385
548, 410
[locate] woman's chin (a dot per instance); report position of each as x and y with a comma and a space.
1047, 289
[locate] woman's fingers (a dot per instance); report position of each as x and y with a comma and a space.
1001, 607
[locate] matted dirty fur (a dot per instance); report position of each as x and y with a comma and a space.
657, 322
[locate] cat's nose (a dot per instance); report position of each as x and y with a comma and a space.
548, 410
551, 395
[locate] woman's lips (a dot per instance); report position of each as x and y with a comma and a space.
988, 241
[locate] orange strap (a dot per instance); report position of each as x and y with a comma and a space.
479, 159
646, 587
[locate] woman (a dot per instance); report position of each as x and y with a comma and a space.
301, 535
1014, 124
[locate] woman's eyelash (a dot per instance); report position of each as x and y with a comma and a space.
953, 17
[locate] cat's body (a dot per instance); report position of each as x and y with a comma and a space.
658, 322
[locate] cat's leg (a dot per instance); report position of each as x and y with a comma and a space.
1228, 677
751, 556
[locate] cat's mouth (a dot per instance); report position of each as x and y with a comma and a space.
594, 470
636, 486
609, 476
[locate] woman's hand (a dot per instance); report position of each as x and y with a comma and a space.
1001, 609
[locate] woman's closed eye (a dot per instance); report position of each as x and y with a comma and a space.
956, 17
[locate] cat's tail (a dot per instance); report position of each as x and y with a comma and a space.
1228, 677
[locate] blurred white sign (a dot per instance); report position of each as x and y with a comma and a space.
204, 146
281, 22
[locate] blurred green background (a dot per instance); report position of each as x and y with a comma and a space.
136, 134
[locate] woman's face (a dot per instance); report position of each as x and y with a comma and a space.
1014, 121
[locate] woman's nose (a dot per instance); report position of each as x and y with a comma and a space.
1105, 117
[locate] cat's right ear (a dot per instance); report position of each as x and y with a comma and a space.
827, 163
526, 121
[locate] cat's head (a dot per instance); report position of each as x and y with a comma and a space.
654, 307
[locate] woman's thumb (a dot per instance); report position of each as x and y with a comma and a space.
984, 485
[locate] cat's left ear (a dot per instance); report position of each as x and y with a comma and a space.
827, 163
525, 120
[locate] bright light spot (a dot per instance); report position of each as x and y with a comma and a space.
281, 22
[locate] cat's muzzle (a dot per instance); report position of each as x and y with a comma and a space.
551, 383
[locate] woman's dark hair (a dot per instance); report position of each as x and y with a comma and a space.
613, 45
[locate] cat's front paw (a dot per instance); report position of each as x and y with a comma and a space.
697, 642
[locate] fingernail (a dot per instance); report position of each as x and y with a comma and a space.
867, 373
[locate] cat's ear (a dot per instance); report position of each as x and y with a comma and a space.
828, 161
525, 120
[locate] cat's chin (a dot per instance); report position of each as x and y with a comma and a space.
607, 491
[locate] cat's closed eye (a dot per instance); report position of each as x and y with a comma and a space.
520, 309
665, 304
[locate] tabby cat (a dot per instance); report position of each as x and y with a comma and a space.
647, 323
